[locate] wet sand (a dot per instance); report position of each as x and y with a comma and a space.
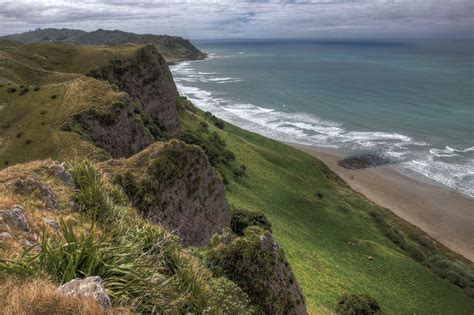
446, 215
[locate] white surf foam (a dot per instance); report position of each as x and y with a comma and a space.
414, 156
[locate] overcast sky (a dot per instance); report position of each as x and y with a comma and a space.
248, 19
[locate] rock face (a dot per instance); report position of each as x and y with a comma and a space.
256, 263
182, 192
120, 130
60, 172
32, 186
148, 80
90, 287
52, 224
15, 217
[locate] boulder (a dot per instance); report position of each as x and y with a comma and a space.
5, 236
15, 217
60, 172
52, 224
91, 287
32, 185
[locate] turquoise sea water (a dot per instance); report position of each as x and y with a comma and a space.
411, 100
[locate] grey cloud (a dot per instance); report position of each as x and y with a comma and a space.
247, 18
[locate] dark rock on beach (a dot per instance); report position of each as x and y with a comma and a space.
364, 161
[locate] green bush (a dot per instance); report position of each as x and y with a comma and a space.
258, 269
11, 90
240, 171
241, 219
228, 298
354, 304
24, 90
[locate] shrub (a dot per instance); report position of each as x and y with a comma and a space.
227, 298
241, 219
213, 119
54, 96
24, 90
19, 134
189, 138
240, 171
36, 88
28, 141
354, 304
11, 90
219, 123
203, 126
259, 270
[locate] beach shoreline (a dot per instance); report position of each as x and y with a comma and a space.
445, 215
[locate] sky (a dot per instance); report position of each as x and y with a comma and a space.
204, 19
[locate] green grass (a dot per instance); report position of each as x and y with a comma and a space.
48, 63
30, 124
314, 216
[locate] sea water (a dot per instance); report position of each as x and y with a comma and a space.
409, 100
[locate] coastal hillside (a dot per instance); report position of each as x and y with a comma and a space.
118, 195
172, 48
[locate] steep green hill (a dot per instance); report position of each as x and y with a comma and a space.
329, 233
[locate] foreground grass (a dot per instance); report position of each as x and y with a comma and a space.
326, 230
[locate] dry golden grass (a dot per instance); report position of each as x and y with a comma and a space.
40, 297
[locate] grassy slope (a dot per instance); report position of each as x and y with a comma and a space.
314, 232
30, 123
51, 63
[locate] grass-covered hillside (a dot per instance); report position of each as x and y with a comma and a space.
336, 240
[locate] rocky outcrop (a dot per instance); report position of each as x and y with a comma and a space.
120, 129
181, 191
60, 172
364, 161
15, 217
88, 288
51, 223
258, 265
32, 186
148, 80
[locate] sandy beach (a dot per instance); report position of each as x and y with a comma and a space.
445, 215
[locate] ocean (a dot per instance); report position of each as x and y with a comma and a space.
409, 100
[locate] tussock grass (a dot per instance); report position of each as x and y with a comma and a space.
143, 267
41, 298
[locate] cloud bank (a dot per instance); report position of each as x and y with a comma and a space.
247, 18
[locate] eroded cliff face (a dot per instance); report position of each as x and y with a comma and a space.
178, 189
148, 80
122, 129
